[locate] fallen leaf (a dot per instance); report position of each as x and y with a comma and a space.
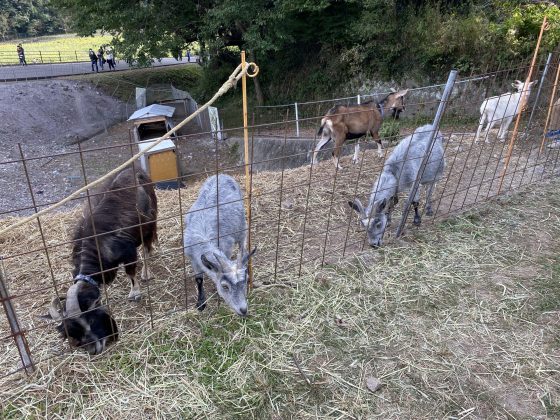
373, 384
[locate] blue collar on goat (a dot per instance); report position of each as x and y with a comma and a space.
85, 278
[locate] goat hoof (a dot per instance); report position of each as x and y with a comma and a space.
417, 221
146, 277
200, 306
429, 212
135, 296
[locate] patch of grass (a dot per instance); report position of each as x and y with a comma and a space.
548, 299
552, 410
122, 85
390, 130
53, 48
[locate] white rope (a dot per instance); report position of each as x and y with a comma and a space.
231, 82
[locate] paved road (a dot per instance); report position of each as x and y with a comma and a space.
43, 71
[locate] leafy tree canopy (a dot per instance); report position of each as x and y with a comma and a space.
342, 38
29, 17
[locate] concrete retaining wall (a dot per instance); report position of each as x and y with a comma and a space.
275, 153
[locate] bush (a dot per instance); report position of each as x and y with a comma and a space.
390, 130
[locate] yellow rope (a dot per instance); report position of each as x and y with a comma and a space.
231, 82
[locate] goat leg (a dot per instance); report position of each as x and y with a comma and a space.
377, 139
417, 218
201, 301
429, 190
135, 293
146, 275
356, 153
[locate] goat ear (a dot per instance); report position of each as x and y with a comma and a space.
357, 206
401, 93
380, 205
209, 265
246, 257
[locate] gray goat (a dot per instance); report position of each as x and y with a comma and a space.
398, 175
210, 250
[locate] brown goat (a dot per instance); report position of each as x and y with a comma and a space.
119, 217
354, 121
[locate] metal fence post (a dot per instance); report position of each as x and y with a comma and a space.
41, 55
440, 111
17, 333
359, 98
297, 119
59, 57
540, 88
76, 54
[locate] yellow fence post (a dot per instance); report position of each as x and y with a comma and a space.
550, 106
523, 102
248, 168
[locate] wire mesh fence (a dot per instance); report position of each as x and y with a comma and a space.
301, 218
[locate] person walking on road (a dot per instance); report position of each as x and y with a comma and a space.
111, 60
100, 57
21, 55
93, 59
188, 56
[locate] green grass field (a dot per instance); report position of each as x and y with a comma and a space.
52, 49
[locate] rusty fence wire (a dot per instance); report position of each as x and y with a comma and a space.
301, 219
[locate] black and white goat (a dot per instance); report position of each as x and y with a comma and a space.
122, 217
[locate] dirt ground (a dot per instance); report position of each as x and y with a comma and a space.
46, 118
58, 117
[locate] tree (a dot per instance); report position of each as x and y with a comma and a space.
142, 29
29, 17
308, 47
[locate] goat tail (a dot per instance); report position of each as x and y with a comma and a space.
326, 124
483, 107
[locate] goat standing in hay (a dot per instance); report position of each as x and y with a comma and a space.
398, 175
212, 227
503, 109
354, 121
122, 217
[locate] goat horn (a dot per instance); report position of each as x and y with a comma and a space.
72, 304
240, 255
224, 264
56, 309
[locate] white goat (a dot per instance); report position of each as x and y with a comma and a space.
503, 109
